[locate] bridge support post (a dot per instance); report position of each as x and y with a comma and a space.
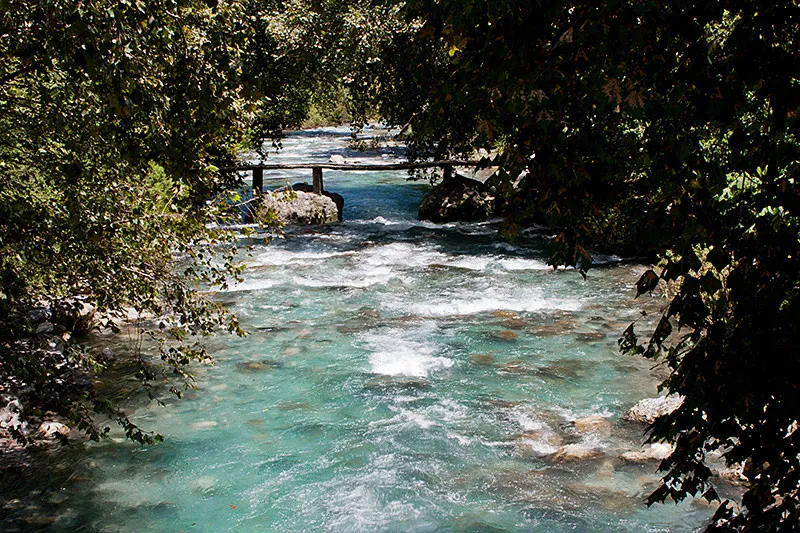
447, 172
316, 173
258, 181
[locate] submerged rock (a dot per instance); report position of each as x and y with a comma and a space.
498, 403
258, 366
287, 206
647, 410
294, 406
513, 323
515, 366
609, 498
458, 199
576, 452
505, 314
538, 443
396, 382
590, 336
483, 359
505, 335
592, 424
564, 369
559, 326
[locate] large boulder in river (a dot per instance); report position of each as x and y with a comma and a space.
288, 206
338, 199
458, 199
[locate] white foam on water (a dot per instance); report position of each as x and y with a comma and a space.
402, 353
505, 246
469, 262
386, 222
541, 437
401, 255
359, 278
471, 301
486, 262
528, 422
405, 360
523, 264
460, 439
361, 509
406, 418
449, 411
273, 256
443, 413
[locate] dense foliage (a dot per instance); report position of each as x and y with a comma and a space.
111, 115
650, 127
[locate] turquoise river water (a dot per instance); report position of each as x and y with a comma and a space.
399, 376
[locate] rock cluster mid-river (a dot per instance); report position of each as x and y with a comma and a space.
399, 376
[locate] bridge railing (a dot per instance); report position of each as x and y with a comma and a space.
316, 169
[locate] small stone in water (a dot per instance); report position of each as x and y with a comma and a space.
505, 335
258, 366
516, 366
481, 359
497, 402
513, 323
383, 382
204, 424
590, 336
350, 329
505, 314
373, 314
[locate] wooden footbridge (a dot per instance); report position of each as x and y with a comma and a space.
316, 169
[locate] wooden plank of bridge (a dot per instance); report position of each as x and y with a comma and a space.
356, 167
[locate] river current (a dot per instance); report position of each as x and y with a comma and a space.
399, 376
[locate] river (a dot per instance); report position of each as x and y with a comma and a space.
399, 376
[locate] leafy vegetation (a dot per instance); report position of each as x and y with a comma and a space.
111, 117
650, 127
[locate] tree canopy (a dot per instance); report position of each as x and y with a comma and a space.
653, 128
111, 118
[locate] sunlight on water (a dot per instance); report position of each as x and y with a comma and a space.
399, 376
